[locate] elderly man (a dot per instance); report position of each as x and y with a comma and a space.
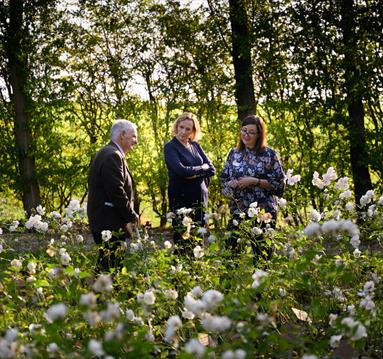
111, 195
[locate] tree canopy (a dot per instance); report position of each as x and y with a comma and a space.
313, 70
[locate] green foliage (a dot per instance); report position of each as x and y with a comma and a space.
87, 62
319, 292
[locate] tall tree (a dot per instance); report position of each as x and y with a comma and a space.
18, 69
241, 52
354, 90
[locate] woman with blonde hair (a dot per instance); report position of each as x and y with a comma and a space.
189, 170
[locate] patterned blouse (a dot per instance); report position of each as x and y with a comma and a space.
264, 165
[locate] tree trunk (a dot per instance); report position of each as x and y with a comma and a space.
354, 98
18, 71
241, 53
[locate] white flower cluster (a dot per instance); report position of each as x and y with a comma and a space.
130, 314
335, 340
198, 252
114, 334
282, 202
197, 303
54, 272
55, 215
52, 348
171, 294
258, 277
147, 298
356, 330
16, 264
65, 225
338, 295
184, 211
8, 344
79, 238
368, 293
366, 198
103, 284
187, 221
253, 210
106, 235
170, 216
194, 346
132, 317
64, 257
40, 210
175, 269
342, 184
332, 319
55, 312
290, 179
211, 298
215, 323
172, 325
112, 312
93, 318
73, 208
208, 302
315, 215
36, 223
136, 246
214, 216
326, 179
88, 299
14, 225
32, 268
202, 230
346, 194
333, 227
236, 354
371, 210
95, 348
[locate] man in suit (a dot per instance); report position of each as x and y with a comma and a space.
111, 195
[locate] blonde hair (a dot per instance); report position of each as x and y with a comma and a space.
196, 135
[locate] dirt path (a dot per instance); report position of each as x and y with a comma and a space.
33, 242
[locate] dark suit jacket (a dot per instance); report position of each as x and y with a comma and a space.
111, 191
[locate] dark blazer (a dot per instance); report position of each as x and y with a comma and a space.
111, 191
187, 181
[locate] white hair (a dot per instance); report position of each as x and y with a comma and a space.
119, 126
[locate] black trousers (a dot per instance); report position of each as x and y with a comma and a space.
110, 253
185, 246
257, 241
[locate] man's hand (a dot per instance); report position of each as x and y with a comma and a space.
130, 227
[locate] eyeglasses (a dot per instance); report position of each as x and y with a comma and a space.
246, 132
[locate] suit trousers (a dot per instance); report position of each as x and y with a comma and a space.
257, 241
111, 252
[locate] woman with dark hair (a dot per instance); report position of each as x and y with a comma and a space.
189, 171
251, 178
